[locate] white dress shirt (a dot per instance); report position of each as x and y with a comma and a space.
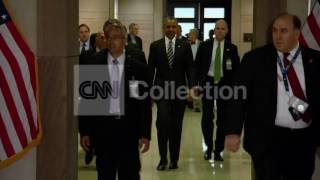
86, 47
214, 49
115, 105
167, 40
194, 48
283, 117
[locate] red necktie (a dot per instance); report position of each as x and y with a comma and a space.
295, 86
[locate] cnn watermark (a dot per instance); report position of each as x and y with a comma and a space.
96, 93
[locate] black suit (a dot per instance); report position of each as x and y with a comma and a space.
117, 137
275, 151
203, 61
138, 43
170, 111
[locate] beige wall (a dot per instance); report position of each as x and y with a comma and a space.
24, 12
142, 13
94, 13
242, 22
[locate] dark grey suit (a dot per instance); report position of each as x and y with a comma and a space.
170, 111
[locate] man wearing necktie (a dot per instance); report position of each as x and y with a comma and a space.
84, 34
280, 110
124, 125
216, 62
170, 61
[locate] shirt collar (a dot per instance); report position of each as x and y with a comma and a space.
120, 59
292, 52
173, 40
216, 41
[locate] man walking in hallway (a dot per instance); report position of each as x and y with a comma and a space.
216, 62
280, 109
124, 124
170, 60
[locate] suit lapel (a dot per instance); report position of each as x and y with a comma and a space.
163, 51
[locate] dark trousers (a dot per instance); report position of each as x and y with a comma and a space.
117, 151
126, 164
169, 127
291, 156
207, 124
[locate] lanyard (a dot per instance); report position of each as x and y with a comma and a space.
284, 70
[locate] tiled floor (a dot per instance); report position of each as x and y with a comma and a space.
192, 166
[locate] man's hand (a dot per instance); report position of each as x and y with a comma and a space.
144, 144
195, 91
232, 142
85, 143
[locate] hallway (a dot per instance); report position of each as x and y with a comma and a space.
192, 166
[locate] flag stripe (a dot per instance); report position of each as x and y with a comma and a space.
13, 72
308, 36
302, 40
8, 125
19, 41
5, 139
316, 12
3, 153
13, 111
312, 22
14, 103
24, 69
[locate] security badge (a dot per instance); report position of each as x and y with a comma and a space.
228, 62
297, 107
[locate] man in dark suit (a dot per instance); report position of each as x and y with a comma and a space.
86, 51
279, 111
133, 39
216, 62
125, 123
179, 34
84, 42
170, 60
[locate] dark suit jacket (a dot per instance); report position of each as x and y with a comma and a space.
136, 122
182, 64
204, 58
138, 42
258, 73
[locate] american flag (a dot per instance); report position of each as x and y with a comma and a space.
19, 116
310, 33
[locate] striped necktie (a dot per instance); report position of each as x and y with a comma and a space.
170, 54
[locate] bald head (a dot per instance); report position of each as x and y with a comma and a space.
285, 32
221, 30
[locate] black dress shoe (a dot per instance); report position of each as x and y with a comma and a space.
173, 165
88, 157
207, 155
217, 157
161, 166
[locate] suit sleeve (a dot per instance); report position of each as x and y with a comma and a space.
146, 111
197, 63
152, 61
190, 73
237, 107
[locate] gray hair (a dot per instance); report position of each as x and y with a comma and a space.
115, 23
195, 30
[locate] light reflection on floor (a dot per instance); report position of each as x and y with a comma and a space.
192, 166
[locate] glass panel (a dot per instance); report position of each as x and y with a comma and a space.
206, 28
186, 28
184, 12
213, 12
